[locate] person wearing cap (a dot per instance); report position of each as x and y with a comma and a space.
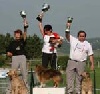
16, 50
80, 49
49, 50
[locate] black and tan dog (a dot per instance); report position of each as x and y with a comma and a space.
87, 84
45, 75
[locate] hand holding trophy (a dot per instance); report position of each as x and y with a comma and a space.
44, 9
69, 21
23, 15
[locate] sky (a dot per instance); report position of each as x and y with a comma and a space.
85, 13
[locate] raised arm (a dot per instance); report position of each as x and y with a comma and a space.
25, 23
67, 31
40, 25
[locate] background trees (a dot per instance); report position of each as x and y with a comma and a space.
33, 47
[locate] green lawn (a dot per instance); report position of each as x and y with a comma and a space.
97, 77
97, 80
50, 83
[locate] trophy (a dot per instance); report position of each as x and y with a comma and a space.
23, 15
69, 21
45, 8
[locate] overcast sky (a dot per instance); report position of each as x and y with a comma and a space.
86, 14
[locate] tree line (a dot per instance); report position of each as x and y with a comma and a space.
33, 49
33, 46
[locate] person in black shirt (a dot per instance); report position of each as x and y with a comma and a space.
16, 51
17, 46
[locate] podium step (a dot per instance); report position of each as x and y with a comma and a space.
49, 90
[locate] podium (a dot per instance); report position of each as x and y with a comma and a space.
49, 90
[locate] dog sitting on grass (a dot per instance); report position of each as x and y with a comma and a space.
17, 85
87, 84
45, 75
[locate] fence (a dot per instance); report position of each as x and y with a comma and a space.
3, 85
32, 81
4, 80
31, 64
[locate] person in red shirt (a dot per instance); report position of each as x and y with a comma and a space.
51, 41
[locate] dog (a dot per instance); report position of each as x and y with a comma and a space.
45, 75
87, 84
17, 85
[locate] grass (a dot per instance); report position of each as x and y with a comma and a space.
50, 83
97, 78
62, 84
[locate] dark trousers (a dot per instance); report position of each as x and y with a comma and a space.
49, 58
